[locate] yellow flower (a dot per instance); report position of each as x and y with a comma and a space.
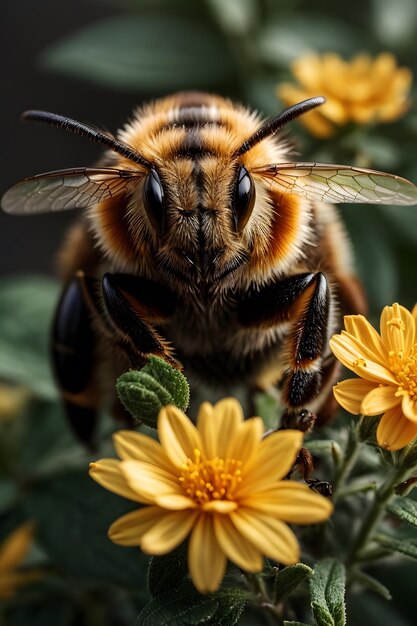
13, 552
219, 481
362, 91
387, 365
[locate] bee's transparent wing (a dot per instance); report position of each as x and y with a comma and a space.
65, 189
339, 183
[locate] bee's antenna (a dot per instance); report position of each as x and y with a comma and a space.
79, 128
275, 124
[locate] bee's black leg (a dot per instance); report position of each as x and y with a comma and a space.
304, 301
72, 356
134, 308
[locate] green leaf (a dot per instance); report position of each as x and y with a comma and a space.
26, 309
407, 548
166, 571
72, 514
235, 16
171, 379
327, 589
184, 606
146, 391
150, 52
267, 406
405, 509
288, 579
283, 40
295, 623
372, 584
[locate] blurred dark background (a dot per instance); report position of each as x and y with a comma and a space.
28, 244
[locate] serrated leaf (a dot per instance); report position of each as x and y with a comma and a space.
144, 392
405, 509
171, 379
327, 589
288, 579
72, 514
407, 548
137, 51
26, 309
184, 606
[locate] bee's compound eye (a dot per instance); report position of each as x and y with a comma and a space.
244, 198
153, 199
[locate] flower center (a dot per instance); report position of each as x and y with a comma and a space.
405, 371
207, 480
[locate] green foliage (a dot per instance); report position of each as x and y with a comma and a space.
26, 307
72, 514
166, 571
289, 578
146, 391
137, 52
405, 509
373, 584
327, 588
408, 548
182, 605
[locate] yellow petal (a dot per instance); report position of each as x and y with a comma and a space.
247, 440
397, 328
271, 536
108, 474
409, 407
149, 481
176, 502
350, 393
353, 356
414, 313
206, 559
219, 426
132, 445
128, 529
16, 546
365, 333
220, 506
308, 70
236, 547
379, 400
291, 502
274, 459
394, 430
168, 532
178, 435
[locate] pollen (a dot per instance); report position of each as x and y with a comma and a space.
405, 371
208, 480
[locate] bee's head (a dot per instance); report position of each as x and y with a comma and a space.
198, 209
198, 215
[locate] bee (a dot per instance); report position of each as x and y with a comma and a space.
201, 242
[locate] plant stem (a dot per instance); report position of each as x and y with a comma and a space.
376, 512
257, 585
351, 455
